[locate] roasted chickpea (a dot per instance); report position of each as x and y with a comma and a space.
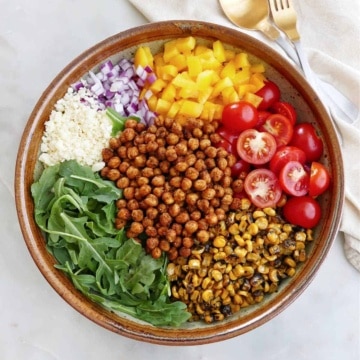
132, 172
129, 193
151, 200
164, 245
136, 228
216, 174
200, 165
179, 196
203, 236
107, 154
200, 185
192, 198
191, 173
133, 204
158, 180
186, 184
113, 174
121, 203
165, 219
182, 218
195, 215
147, 172
131, 123
128, 134
191, 226
152, 242
174, 209
123, 167
123, 214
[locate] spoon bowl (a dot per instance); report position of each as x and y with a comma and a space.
250, 15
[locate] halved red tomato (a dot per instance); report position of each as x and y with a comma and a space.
239, 116
270, 93
263, 188
303, 211
283, 155
293, 178
256, 147
286, 109
280, 127
319, 179
263, 115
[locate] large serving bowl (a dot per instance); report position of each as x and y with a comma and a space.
294, 89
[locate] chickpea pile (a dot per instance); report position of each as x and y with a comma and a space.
176, 183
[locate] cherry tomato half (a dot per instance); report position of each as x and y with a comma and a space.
293, 178
239, 116
263, 188
306, 138
263, 115
256, 147
303, 211
280, 127
270, 93
319, 179
283, 155
286, 109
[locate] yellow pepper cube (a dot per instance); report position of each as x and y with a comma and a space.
168, 72
257, 68
169, 93
190, 108
258, 80
170, 50
219, 51
252, 98
157, 85
151, 102
162, 106
211, 111
205, 79
220, 86
230, 95
229, 54
143, 57
229, 70
245, 88
242, 76
204, 95
186, 44
194, 65
203, 51
159, 60
183, 80
211, 64
189, 91
174, 109
242, 60
179, 61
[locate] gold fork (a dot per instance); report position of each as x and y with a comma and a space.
284, 16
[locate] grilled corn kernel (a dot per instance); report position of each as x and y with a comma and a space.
207, 295
238, 271
290, 262
220, 256
273, 275
230, 289
234, 229
262, 222
272, 237
207, 282
248, 271
253, 229
291, 271
300, 236
216, 275
258, 213
269, 211
194, 264
239, 240
219, 241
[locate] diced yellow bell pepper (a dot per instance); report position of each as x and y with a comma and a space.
186, 44
242, 60
242, 76
253, 99
183, 80
219, 51
162, 106
170, 50
245, 88
169, 93
152, 101
257, 68
157, 85
168, 72
204, 95
143, 57
190, 108
220, 86
174, 109
194, 65
205, 79
229, 54
230, 95
179, 61
257, 79
228, 70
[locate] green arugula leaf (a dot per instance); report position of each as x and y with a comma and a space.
76, 209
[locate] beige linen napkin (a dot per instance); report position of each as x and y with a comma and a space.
337, 64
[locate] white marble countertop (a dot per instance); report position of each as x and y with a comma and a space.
37, 39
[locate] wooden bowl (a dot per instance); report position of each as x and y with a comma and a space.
294, 89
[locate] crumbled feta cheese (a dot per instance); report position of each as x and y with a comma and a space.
76, 130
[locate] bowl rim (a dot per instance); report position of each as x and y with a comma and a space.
78, 67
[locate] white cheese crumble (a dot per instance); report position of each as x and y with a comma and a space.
76, 130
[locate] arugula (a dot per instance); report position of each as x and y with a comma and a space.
118, 121
76, 208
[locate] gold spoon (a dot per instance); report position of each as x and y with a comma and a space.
254, 15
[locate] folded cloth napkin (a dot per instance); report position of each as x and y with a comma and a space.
336, 64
